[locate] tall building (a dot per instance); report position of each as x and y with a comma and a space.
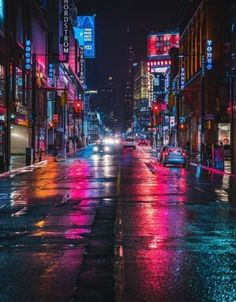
128, 93
203, 97
128, 97
38, 63
108, 103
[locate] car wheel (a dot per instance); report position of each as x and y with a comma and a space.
164, 164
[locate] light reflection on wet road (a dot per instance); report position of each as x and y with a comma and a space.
179, 235
178, 231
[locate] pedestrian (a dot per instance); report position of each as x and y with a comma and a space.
219, 157
214, 147
208, 155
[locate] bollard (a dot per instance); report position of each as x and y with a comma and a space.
29, 156
40, 154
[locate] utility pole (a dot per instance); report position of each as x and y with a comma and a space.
202, 136
8, 112
33, 120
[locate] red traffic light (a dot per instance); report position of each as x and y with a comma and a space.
156, 108
78, 106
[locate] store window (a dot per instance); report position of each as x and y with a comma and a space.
19, 85
2, 85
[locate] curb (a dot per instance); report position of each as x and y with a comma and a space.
43, 162
17, 170
212, 169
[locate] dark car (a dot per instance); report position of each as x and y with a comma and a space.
142, 142
102, 148
160, 153
174, 156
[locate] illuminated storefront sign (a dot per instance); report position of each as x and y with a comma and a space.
65, 42
160, 63
150, 89
27, 54
182, 78
85, 34
51, 74
209, 55
159, 44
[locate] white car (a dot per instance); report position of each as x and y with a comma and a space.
129, 143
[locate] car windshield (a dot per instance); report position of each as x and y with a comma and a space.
175, 150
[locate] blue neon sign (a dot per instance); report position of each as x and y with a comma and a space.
27, 54
209, 60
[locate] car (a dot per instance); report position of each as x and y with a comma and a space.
102, 148
160, 153
129, 143
142, 142
174, 155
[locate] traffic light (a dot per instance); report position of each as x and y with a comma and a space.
78, 106
64, 98
171, 100
182, 126
156, 108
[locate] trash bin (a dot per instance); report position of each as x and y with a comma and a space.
29, 156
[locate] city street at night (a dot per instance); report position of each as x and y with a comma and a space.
117, 227
117, 151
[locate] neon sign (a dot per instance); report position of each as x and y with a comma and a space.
65, 38
81, 66
182, 78
27, 54
209, 55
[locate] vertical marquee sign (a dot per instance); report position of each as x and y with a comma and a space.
81, 65
209, 55
182, 78
65, 37
27, 54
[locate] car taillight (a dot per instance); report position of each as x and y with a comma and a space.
184, 154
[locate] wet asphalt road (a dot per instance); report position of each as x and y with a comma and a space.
106, 228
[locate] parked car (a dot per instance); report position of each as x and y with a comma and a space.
174, 155
160, 152
129, 143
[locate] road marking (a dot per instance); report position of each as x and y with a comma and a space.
63, 200
118, 269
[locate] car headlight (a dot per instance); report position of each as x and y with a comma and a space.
106, 149
95, 149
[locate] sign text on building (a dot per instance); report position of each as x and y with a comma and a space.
65, 10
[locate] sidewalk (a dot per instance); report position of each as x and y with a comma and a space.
19, 161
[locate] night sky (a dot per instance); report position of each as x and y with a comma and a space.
112, 19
